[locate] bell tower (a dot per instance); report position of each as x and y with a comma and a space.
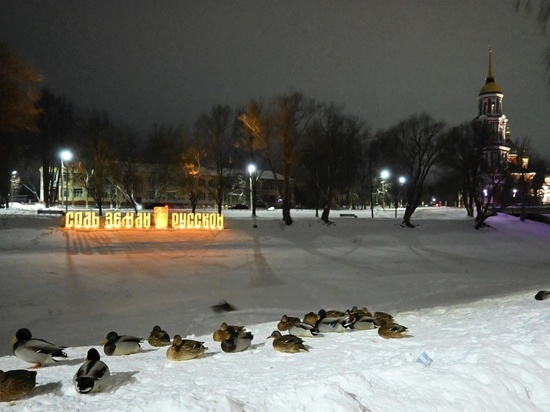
489, 103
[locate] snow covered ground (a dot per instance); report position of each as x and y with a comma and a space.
466, 296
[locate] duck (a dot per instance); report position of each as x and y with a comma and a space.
220, 334
286, 322
304, 330
287, 343
119, 345
37, 351
93, 375
237, 342
382, 317
391, 330
185, 349
311, 318
15, 384
158, 337
542, 295
223, 306
361, 312
333, 313
362, 322
328, 324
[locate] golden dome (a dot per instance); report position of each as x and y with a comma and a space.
490, 85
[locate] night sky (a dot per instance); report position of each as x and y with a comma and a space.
166, 61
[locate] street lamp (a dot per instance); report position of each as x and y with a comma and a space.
402, 181
384, 175
12, 183
66, 155
251, 172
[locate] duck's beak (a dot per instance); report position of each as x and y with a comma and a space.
13, 339
104, 342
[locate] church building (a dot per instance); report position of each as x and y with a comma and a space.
501, 155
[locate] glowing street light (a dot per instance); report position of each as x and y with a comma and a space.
251, 172
66, 156
384, 175
401, 181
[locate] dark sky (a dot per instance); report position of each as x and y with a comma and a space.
168, 61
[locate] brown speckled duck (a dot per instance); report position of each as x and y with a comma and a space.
185, 349
221, 333
391, 330
382, 317
286, 322
311, 318
158, 337
287, 343
15, 384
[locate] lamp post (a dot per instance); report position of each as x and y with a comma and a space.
66, 155
384, 175
12, 183
402, 181
251, 172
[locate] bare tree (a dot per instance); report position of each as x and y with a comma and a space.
334, 139
57, 124
465, 156
17, 110
213, 133
285, 123
94, 168
542, 18
125, 176
190, 163
416, 145
162, 151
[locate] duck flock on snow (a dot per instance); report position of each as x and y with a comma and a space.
94, 375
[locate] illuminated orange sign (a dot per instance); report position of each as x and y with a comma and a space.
197, 221
159, 219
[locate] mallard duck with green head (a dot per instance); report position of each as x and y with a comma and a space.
93, 375
37, 351
304, 330
120, 345
362, 322
237, 341
330, 324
